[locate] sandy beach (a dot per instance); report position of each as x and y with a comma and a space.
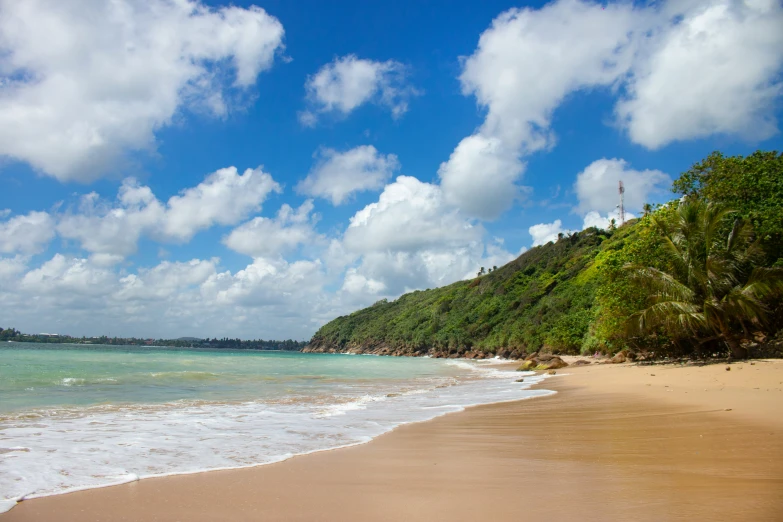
618, 442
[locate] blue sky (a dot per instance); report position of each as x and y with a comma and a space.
508, 123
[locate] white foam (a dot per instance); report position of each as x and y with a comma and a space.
98, 447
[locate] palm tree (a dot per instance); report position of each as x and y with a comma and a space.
647, 208
711, 291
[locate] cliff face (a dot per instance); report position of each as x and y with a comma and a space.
542, 299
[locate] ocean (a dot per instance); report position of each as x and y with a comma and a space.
84, 416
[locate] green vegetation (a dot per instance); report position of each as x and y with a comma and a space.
715, 290
691, 277
11, 334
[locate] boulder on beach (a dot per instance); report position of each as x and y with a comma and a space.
581, 362
543, 362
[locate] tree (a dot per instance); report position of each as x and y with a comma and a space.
715, 289
647, 209
481, 272
753, 185
612, 224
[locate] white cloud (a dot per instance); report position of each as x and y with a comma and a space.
225, 197
10, 268
348, 82
265, 237
597, 185
410, 239
714, 72
543, 233
526, 63
680, 70
79, 92
165, 280
267, 282
409, 215
480, 177
338, 175
595, 219
72, 277
28, 234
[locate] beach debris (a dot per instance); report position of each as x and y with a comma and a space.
581, 362
620, 357
753, 364
652, 375
551, 372
520, 380
727, 409
728, 368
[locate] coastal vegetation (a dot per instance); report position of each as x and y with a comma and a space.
698, 276
12, 334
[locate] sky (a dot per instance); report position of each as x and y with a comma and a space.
190, 168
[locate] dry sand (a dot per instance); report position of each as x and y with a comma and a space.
617, 443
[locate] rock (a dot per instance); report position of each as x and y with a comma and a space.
531, 356
554, 363
547, 357
527, 366
728, 368
514, 354
551, 372
520, 380
581, 362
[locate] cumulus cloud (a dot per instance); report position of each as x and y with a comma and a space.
348, 82
265, 237
267, 282
480, 176
410, 239
165, 280
338, 175
679, 70
714, 71
596, 186
543, 233
225, 197
526, 63
28, 234
409, 215
79, 93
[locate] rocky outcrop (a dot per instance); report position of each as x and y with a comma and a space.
534, 361
581, 362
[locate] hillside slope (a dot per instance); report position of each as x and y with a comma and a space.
544, 298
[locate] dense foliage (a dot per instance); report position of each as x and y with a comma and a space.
751, 185
715, 289
577, 294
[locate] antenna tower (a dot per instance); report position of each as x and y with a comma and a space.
621, 191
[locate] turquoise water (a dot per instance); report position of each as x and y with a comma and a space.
76, 416
34, 376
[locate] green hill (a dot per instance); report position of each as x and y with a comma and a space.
574, 295
544, 298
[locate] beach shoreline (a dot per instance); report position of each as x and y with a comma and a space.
622, 441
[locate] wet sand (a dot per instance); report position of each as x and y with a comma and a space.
616, 443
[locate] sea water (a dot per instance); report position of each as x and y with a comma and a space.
83, 416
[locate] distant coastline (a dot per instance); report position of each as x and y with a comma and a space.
11, 334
